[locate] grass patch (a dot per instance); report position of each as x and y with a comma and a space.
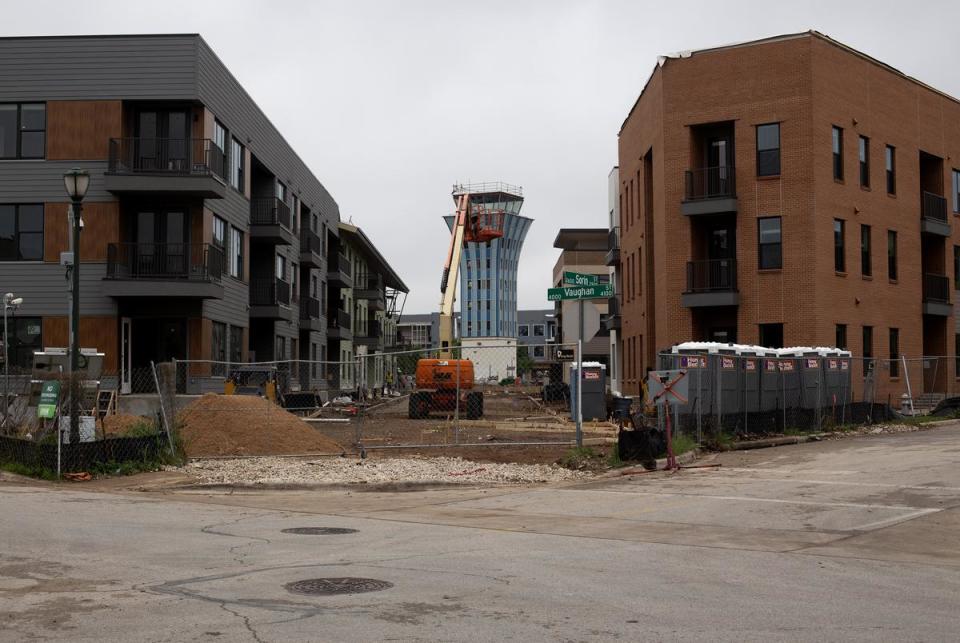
683, 443
579, 458
613, 458
42, 473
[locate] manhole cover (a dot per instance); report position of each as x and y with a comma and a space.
332, 586
319, 531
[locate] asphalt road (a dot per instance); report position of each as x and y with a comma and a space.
849, 540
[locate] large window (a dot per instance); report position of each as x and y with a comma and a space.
867, 349
890, 156
838, 153
25, 335
236, 253
866, 263
220, 136
771, 335
23, 130
219, 233
956, 190
839, 251
238, 162
768, 149
894, 352
770, 245
892, 255
864, 162
21, 232
538, 330
841, 336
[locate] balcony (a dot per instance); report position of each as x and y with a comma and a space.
270, 221
339, 272
369, 286
936, 295
613, 247
712, 282
164, 270
339, 325
612, 320
310, 319
710, 190
933, 214
311, 248
369, 334
270, 299
166, 167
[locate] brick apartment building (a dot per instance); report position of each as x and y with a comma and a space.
790, 191
205, 237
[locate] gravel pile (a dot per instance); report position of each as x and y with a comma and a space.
269, 470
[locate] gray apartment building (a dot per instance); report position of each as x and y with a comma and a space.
205, 235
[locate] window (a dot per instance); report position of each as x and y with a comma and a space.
219, 348
894, 352
21, 232
25, 335
892, 255
839, 253
956, 267
219, 232
236, 253
890, 156
838, 153
237, 165
220, 136
768, 149
864, 162
538, 351
867, 349
281, 268
770, 246
956, 353
841, 336
236, 344
281, 191
280, 348
866, 267
956, 190
23, 130
538, 330
771, 335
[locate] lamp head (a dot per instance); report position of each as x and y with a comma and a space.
76, 182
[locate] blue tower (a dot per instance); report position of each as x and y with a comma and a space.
488, 271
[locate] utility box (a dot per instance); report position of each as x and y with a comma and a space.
594, 382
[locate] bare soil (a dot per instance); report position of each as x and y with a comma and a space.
220, 425
120, 424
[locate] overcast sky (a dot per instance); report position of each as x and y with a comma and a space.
389, 103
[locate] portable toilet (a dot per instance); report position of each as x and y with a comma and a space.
790, 364
837, 369
812, 381
730, 380
696, 359
771, 389
594, 382
751, 363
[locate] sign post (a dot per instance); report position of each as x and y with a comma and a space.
666, 388
578, 287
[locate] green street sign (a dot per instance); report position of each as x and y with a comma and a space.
580, 279
601, 291
49, 394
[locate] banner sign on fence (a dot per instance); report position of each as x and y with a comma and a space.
566, 355
49, 395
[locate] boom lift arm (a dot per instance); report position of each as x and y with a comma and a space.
451, 270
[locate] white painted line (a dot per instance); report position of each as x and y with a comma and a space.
883, 485
892, 521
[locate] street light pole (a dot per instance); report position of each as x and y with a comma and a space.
9, 301
76, 182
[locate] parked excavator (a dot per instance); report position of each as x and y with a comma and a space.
446, 383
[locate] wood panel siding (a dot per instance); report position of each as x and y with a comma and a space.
98, 332
81, 130
101, 225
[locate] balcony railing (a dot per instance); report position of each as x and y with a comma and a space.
710, 183
370, 329
269, 211
368, 282
309, 308
339, 318
269, 292
613, 238
933, 206
712, 275
174, 156
936, 288
341, 264
310, 241
161, 261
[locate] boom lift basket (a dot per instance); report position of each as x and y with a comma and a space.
483, 225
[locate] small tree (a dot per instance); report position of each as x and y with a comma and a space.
524, 361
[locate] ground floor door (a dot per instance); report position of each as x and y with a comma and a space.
125, 355
155, 340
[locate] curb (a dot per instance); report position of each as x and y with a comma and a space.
682, 459
323, 486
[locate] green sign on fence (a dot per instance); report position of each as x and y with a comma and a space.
601, 291
49, 395
580, 279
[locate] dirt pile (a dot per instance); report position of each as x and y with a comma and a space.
246, 425
120, 425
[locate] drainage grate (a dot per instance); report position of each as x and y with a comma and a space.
333, 586
319, 531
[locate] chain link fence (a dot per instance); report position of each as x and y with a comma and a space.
742, 395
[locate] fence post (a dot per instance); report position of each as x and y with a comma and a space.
456, 404
163, 411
